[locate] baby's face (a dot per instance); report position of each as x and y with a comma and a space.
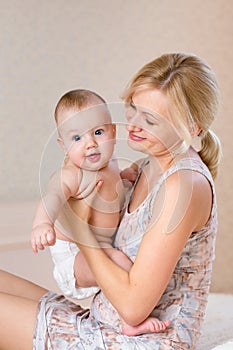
87, 136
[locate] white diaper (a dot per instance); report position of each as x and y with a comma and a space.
63, 255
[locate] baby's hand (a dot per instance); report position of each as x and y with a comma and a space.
42, 235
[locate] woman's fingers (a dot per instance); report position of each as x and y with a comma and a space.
88, 202
76, 219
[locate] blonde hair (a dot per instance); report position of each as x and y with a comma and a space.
79, 98
192, 91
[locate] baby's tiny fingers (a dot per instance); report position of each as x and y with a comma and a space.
34, 246
43, 238
51, 237
39, 244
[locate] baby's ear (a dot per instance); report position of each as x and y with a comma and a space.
61, 143
114, 132
114, 129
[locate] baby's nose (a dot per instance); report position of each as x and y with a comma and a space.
90, 141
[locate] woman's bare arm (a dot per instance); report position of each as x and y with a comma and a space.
186, 208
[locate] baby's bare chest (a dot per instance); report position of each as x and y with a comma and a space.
107, 203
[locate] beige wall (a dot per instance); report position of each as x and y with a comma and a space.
49, 47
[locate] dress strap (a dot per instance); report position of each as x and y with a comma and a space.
189, 164
184, 164
141, 166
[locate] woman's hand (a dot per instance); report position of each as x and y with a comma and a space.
129, 176
77, 223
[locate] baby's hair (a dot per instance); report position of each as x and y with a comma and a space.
192, 91
79, 98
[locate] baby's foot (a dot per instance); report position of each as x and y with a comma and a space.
150, 325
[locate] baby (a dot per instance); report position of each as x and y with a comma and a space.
87, 136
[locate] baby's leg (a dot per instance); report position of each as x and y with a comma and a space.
150, 325
68, 268
119, 258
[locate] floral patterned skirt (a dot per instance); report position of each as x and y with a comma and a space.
62, 325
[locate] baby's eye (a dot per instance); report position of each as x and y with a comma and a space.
99, 132
76, 138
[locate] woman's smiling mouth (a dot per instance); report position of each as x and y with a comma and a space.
134, 137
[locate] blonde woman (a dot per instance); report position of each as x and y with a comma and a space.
168, 229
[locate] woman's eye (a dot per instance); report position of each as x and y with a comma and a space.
132, 105
150, 122
99, 132
130, 111
76, 138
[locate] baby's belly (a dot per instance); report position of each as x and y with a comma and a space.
103, 226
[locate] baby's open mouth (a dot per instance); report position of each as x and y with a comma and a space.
94, 157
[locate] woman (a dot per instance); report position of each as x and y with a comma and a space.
168, 228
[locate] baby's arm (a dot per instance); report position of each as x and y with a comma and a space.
61, 187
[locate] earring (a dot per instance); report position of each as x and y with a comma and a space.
196, 143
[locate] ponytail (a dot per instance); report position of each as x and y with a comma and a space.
211, 152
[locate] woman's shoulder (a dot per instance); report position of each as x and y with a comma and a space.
194, 165
189, 185
189, 175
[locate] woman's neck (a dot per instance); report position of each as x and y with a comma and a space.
165, 161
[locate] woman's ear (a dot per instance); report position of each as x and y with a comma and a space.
196, 130
196, 141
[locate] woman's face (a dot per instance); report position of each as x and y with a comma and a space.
148, 124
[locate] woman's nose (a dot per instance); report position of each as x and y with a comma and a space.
133, 127
134, 120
